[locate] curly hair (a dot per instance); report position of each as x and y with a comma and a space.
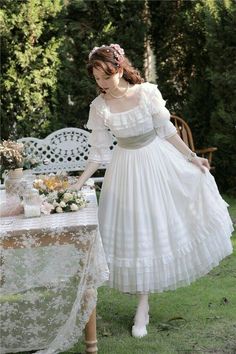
105, 58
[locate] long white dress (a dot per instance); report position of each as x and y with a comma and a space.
163, 222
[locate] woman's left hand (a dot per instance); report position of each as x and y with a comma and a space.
201, 163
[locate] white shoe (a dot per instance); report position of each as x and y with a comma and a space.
139, 332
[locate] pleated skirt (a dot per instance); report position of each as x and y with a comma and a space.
162, 220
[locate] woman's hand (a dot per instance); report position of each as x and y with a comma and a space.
178, 143
201, 163
88, 172
75, 187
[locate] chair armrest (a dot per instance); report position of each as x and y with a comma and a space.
206, 150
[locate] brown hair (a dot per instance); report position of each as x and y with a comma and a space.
106, 59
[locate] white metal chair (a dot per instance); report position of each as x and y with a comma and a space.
66, 149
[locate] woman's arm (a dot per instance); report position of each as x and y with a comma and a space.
178, 143
90, 169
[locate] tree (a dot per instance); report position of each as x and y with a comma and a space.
194, 44
88, 24
220, 22
45, 47
30, 63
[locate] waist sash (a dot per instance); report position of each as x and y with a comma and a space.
138, 141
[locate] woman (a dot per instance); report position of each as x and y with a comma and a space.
161, 217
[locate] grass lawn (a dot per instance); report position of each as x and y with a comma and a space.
200, 318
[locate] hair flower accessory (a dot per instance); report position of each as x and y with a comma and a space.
118, 53
117, 47
94, 50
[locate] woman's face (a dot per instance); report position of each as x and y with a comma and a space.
106, 82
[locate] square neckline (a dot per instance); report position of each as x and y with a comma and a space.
129, 110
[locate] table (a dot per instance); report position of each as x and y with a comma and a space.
51, 268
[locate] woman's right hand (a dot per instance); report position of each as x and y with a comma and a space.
202, 163
75, 187
88, 172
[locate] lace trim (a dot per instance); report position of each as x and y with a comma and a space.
56, 312
191, 262
150, 102
122, 120
101, 155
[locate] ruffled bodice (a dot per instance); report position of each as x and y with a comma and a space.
148, 114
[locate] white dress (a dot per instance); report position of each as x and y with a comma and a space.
163, 222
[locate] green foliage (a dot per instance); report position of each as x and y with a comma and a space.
195, 44
220, 20
181, 60
30, 64
45, 46
88, 24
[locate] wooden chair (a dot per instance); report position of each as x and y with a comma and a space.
185, 133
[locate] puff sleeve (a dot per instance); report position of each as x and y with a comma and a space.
100, 138
160, 114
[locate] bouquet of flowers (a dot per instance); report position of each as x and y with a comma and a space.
17, 155
11, 155
50, 183
55, 196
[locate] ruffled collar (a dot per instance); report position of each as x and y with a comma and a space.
127, 118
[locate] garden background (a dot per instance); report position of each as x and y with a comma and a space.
45, 87
44, 50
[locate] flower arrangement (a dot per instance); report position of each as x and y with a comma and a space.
59, 202
47, 184
15, 155
55, 196
11, 155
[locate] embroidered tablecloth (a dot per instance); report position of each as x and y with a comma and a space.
51, 268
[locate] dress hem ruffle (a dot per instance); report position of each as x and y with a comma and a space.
171, 271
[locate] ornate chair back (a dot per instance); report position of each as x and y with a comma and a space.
66, 149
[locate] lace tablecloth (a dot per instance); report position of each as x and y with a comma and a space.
51, 268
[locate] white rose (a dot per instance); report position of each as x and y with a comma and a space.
62, 204
46, 208
55, 204
39, 183
74, 207
38, 180
67, 196
59, 210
